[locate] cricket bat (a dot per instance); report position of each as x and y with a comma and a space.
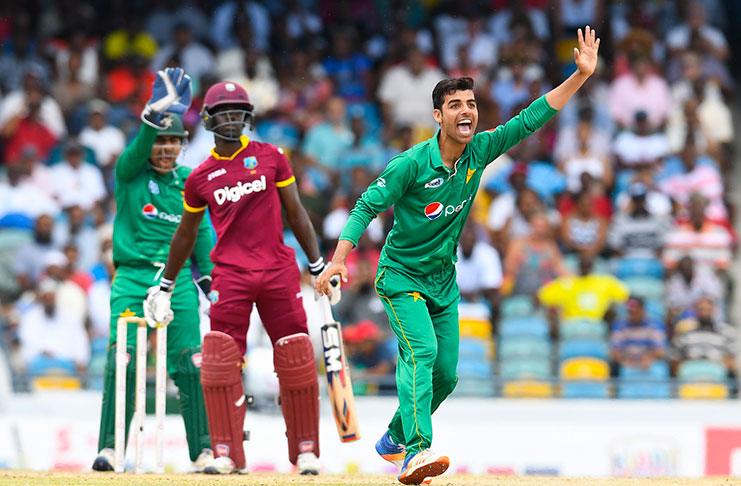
339, 386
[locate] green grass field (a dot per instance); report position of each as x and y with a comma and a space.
23, 478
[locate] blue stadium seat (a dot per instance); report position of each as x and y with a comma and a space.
585, 390
473, 348
524, 347
582, 348
532, 326
472, 368
638, 267
517, 306
522, 369
649, 288
639, 383
582, 329
701, 370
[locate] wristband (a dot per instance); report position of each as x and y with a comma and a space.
166, 284
317, 267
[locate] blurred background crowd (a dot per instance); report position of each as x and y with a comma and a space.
596, 259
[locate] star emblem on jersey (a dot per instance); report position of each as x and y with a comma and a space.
250, 162
469, 173
416, 296
433, 210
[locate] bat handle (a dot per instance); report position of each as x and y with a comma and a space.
327, 308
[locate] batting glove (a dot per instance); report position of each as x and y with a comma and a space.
316, 269
171, 94
157, 309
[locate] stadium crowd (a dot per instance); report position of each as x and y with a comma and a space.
599, 247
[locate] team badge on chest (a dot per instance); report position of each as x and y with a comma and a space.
250, 162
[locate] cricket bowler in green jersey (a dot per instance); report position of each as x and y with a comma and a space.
149, 200
432, 186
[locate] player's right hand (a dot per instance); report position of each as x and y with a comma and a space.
157, 309
171, 93
322, 284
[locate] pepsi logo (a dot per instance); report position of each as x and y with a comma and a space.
433, 210
149, 211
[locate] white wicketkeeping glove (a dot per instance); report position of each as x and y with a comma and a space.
157, 306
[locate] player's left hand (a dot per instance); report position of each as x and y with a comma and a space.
586, 55
171, 94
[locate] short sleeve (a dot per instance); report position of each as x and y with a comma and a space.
283, 173
192, 201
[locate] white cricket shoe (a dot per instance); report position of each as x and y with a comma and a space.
105, 460
307, 463
223, 465
422, 467
204, 459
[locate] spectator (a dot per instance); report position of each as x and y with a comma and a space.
69, 90
686, 285
512, 88
304, 90
533, 260
76, 230
657, 203
166, 14
699, 177
366, 150
641, 145
584, 231
106, 140
186, 52
705, 337
348, 68
637, 340
50, 337
18, 195
586, 295
30, 117
640, 90
478, 271
404, 94
369, 357
635, 232
586, 159
518, 223
29, 261
129, 40
75, 182
325, 142
706, 242
20, 55
222, 24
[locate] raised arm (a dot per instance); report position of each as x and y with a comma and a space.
585, 57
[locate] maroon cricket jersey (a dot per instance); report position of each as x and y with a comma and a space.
241, 193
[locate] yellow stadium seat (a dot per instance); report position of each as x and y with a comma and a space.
56, 383
476, 328
703, 391
585, 369
527, 389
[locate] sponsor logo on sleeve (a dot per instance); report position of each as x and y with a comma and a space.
216, 173
235, 193
381, 182
433, 210
435, 183
153, 187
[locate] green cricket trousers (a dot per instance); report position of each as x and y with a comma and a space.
423, 313
183, 352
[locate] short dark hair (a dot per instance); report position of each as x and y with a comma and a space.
449, 86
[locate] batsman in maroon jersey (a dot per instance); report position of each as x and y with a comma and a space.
246, 185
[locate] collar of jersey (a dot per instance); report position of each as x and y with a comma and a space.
244, 141
437, 159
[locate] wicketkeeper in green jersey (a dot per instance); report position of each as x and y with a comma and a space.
432, 186
149, 201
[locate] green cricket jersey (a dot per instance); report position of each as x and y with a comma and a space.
149, 208
432, 202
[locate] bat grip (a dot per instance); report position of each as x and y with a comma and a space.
327, 308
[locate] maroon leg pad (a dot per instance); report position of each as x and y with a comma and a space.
223, 394
299, 393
